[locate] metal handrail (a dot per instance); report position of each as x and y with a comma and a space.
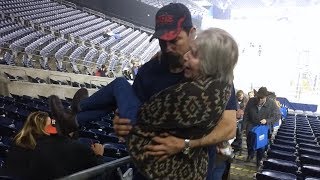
98, 170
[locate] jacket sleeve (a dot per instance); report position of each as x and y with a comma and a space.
246, 112
275, 113
138, 86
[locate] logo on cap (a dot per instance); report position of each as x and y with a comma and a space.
165, 19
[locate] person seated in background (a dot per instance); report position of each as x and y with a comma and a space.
135, 69
20, 154
109, 33
61, 155
101, 71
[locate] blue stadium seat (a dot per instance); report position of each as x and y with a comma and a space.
108, 139
105, 126
282, 133
87, 134
311, 171
283, 148
97, 131
277, 154
286, 130
303, 140
87, 141
287, 138
6, 140
274, 175
111, 150
304, 136
285, 142
311, 178
3, 150
309, 159
310, 146
280, 165
305, 131
108, 159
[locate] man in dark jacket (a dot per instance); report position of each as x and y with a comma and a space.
260, 110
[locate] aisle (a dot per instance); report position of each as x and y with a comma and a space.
240, 169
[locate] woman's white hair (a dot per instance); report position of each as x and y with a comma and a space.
218, 53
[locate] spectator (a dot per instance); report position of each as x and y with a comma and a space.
60, 155
101, 71
19, 158
260, 110
109, 33
250, 94
134, 69
242, 99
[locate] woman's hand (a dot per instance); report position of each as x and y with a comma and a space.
97, 149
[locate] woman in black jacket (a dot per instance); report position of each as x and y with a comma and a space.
19, 157
61, 155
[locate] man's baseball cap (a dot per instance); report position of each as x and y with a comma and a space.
170, 20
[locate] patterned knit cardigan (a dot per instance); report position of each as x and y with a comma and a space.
189, 110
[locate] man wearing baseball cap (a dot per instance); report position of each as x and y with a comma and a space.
174, 30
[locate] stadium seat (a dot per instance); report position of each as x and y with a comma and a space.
311, 171
309, 141
309, 146
111, 150
308, 151
287, 138
311, 178
305, 136
282, 133
87, 134
3, 150
274, 175
283, 148
284, 142
280, 165
107, 139
309, 159
277, 154
87, 141
97, 131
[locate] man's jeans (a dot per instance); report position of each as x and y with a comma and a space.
215, 169
118, 94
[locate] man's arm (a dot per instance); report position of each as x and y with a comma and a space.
225, 130
168, 145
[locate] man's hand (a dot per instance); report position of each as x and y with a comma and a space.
121, 126
263, 121
166, 145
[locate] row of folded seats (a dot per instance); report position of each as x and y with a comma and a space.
52, 81
294, 153
101, 131
14, 111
